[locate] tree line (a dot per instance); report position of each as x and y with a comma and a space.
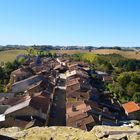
5, 72
125, 72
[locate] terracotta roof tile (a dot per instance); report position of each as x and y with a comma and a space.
78, 95
81, 123
107, 78
40, 102
76, 108
131, 107
72, 82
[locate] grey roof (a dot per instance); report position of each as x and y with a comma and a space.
23, 85
32, 78
101, 72
7, 95
3, 108
17, 107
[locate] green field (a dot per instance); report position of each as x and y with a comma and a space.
126, 54
10, 55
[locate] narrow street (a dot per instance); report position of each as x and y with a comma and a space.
58, 109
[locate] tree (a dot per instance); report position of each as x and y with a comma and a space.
31, 51
123, 79
21, 60
1, 87
131, 66
2, 75
117, 90
131, 88
135, 77
2, 63
54, 55
110, 87
10, 66
136, 97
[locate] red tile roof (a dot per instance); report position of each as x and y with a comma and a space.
13, 100
131, 107
80, 108
71, 82
79, 95
40, 102
80, 121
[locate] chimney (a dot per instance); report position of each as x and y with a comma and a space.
112, 101
74, 108
100, 117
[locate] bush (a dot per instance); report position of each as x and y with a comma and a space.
136, 97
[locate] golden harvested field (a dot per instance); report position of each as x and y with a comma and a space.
127, 54
10, 55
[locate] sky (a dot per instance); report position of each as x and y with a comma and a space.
70, 22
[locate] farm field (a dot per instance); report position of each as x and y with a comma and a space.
127, 54
10, 55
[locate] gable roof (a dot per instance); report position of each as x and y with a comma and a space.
80, 121
76, 118
23, 85
34, 78
13, 100
131, 107
78, 94
40, 101
70, 65
80, 107
17, 107
101, 73
22, 71
7, 95
71, 82
107, 78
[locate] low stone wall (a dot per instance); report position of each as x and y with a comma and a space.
68, 133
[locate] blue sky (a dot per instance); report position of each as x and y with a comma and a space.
70, 22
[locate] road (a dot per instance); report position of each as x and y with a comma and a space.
58, 109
